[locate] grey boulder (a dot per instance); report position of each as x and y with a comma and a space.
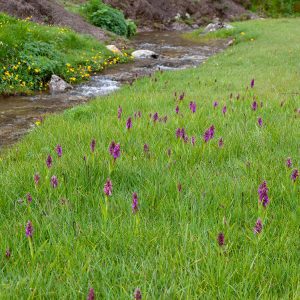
58, 85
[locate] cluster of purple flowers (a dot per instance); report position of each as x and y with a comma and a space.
193, 106
181, 134
54, 181
155, 117
263, 194
221, 239
295, 175
129, 123
108, 188
120, 110
93, 145
209, 134
29, 229
137, 115
114, 150
258, 226
135, 203
59, 150
254, 105
49, 161
36, 178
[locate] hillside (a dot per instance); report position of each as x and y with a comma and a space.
50, 12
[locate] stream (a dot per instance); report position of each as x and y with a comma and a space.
18, 114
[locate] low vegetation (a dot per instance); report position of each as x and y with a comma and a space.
34, 52
106, 17
275, 8
180, 186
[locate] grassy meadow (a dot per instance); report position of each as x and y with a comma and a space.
200, 229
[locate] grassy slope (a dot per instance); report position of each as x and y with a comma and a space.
174, 253
33, 53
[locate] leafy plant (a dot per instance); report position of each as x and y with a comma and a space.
108, 18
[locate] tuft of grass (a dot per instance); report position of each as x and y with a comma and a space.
169, 249
31, 53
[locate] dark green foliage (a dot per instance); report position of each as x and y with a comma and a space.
104, 16
276, 8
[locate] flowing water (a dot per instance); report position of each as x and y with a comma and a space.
19, 113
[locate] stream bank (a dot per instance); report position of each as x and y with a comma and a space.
18, 114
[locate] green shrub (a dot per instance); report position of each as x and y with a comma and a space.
131, 28
108, 18
276, 8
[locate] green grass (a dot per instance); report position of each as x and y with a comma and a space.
31, 53
169, 249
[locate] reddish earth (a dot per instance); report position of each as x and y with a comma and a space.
164, 12
147, 13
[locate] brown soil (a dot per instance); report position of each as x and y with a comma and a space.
164, 12
50, 12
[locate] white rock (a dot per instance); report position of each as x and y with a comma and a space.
58, 85
114, 49
144, 54
212, 27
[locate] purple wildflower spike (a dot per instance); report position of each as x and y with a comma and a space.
137, 294
114, 150
36, 178
178, 133
295, 175
221, 142
49, 161
209, 134
7, 253
108, 188
54, 182
193, 107
129, 123
254, 105
193, 140
146, 148
221, 239
155, 117
93, 145
260, 122
216, 104
139, 114
252, 83
263, 194
91, 294
59, 150
29, 198
135, 203
177, 109
29, 229
289, 163
120, 110
258, 226
181, 97
224, 110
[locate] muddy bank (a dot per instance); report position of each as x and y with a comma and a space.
19, 114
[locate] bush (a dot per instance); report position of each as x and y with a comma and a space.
131, 28
108, 18
276, 7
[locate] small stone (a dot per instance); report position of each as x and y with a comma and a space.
58, 85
